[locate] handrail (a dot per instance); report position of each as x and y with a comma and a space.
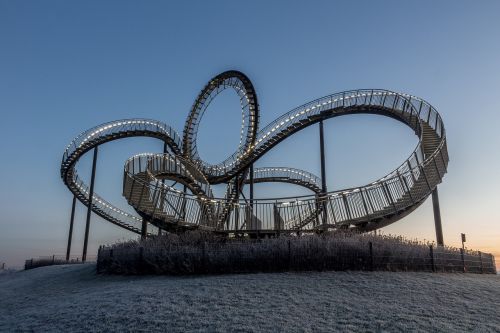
364, 207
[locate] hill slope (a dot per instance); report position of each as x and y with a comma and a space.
74, 298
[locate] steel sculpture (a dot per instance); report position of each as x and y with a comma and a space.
166, 208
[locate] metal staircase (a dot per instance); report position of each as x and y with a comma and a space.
363, 208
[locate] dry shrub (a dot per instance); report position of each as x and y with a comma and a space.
197, 252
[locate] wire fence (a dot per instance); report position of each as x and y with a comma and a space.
307, 253
55, 260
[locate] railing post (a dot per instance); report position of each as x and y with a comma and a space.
370, 245
364, 201
203, 258
481, 262
463, 260
431, 253
411, 170
405, 185
89, 207
388, 195
347, 208
99, 258
289, 255
437, 217
141, 260
277, 219
70, 236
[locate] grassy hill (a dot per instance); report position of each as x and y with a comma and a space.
74, 298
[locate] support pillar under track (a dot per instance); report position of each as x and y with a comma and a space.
70, 235
437, 217
89, 207
323, 173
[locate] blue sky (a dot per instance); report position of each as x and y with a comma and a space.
67, 66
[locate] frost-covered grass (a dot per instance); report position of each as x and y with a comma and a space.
73, 298
205, 253
7, 271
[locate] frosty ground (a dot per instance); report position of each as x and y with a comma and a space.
73, 298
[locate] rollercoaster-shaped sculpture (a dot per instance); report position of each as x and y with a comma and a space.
158, 204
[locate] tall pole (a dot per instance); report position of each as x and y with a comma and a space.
323, 172
89, 207
251, 217
68, 248
251, 185
437, 217
237, 216
322, 152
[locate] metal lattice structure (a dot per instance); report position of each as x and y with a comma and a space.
362, 208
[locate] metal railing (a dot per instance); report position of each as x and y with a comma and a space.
365, 207
104, 133
402, 189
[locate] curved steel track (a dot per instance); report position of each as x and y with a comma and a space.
364, 208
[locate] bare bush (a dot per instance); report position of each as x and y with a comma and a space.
198, 252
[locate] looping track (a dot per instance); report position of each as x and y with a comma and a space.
364, 208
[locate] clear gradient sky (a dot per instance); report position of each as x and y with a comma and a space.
66, 66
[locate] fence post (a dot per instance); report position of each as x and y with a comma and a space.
53, 259
431, 252
370, 244
203, 258
99, 258
140, 265
481, 261
463, 260
3, 266
289, 256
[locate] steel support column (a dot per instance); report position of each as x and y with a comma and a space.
238, 189
323, 172
70, 236
89, 207
251, 185
437, 217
